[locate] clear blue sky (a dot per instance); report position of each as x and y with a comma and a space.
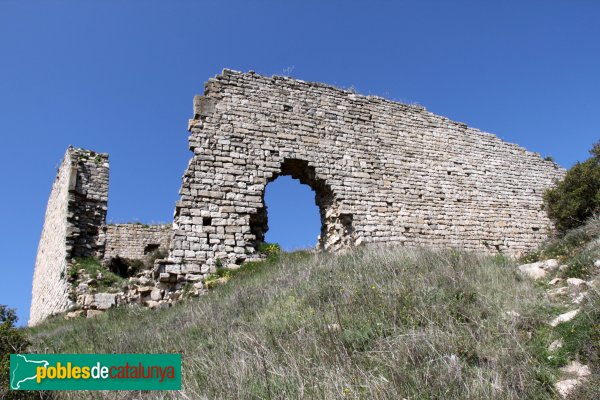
119, 77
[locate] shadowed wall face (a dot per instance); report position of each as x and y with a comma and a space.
383, 172
135, 241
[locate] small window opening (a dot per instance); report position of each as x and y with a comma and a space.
152, 247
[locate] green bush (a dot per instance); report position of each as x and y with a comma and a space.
12, 340
269, 248
577, 196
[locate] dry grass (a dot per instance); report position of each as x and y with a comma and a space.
379, 323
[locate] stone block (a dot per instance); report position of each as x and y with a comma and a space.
104, 301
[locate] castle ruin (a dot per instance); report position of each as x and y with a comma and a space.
382, 172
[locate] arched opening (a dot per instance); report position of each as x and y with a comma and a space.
335, 228
294, 221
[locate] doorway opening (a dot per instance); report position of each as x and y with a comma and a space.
293, 218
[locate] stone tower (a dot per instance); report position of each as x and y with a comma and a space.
72, 228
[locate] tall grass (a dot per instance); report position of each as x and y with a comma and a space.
378, 323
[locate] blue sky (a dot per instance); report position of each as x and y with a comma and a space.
119, 77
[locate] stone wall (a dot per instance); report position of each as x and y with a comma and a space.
135, 241
382, 172
76, 210
74, 228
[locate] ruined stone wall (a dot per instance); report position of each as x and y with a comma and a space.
134, 241
74, 227
383, 172
76, 209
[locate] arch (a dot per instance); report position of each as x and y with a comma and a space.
294, 219
336, 227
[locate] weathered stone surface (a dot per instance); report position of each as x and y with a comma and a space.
135, 241
576, 369
74, 314
566, 317
156, 294
104, 301
145, 289
75, 227
152, 304
555, 345
574, 375
576, 283
551, 265
579, 297
533, 270
563, 268
555, 281
94, 313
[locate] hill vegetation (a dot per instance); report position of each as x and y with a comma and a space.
373, 323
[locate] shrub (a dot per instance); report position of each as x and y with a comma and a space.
12, 340
577, 196
271, 250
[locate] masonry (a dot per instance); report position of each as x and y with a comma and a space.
134, 241
75, 228
76, 210
382, 172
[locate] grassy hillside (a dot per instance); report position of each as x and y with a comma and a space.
578, 252
372, 323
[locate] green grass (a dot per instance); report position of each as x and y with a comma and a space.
578, 249
372, 324
92, 267
581, 337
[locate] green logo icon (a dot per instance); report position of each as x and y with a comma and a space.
24, 369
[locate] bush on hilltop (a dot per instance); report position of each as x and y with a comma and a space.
577, 197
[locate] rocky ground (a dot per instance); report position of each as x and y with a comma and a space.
566, 292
